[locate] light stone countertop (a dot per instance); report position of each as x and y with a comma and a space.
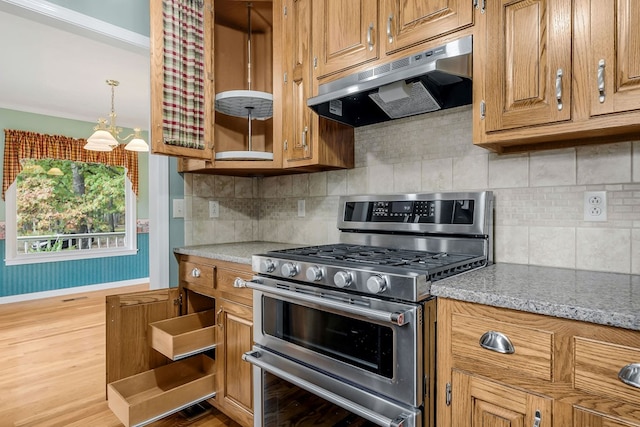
590, 296
234, 252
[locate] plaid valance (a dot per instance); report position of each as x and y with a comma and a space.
19, 145
184, 75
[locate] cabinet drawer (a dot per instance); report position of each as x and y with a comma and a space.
162, 391
532, 356
225, 286
198, 274
597, 365
184, 336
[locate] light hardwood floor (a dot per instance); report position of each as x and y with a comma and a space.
52, 364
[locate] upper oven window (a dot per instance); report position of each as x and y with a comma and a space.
366, 345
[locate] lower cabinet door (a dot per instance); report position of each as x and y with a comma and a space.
234, 376
584, 418
479, 402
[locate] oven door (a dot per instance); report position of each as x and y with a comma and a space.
287, 393
373, 343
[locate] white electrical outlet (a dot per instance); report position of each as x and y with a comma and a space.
178, 208
214, 209
595, 205
301, 211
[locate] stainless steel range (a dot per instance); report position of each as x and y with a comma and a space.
345, 333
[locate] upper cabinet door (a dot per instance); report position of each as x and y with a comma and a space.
344, 35
409, 22
297, 129
181, 78
528, 64
614, 60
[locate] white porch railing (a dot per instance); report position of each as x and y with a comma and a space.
64, 242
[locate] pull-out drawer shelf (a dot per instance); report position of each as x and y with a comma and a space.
184, 336
146, 397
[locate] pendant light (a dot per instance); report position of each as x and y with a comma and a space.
252, 104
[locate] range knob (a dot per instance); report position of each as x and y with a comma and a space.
314, 273
267, 266
289, 269
376, 284
343, 279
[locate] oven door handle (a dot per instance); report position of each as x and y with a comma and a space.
395, 318
253, 357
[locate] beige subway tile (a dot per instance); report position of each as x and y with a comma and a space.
552, 246
604, 164
407, 177
471, 172
437, 175
508, 171
380, 179
603, 249
511, 244
550, 168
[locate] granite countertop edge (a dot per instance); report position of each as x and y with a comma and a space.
553, 294
240, 252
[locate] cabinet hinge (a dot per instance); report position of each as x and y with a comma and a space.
285, 77
483, 110
286, 144
178, 301
315, 62
284, 10
448, 394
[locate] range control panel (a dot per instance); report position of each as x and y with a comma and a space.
411, 211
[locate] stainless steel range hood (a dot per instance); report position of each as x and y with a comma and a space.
425, 81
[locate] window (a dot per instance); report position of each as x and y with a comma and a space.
73, 207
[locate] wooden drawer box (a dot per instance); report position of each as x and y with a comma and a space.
597, 364
159, 392
184, 336
198, 274
533, 347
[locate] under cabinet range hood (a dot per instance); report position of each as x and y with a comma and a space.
425, 81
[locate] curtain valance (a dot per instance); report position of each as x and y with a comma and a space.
19, 145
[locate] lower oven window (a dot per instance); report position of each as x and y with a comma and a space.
364, 344
288, 405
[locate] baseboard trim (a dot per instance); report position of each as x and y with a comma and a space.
73, 290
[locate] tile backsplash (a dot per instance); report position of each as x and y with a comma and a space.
538, 196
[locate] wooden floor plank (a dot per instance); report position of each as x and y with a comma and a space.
52, 369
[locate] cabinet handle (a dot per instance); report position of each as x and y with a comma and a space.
497, 341
537, 418
239, 283
370, 36
559, 88
601, 65
630, 374
195, 272
304, 136
218, 322
389, 35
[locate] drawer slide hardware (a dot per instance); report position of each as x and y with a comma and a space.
497, 341
447, 394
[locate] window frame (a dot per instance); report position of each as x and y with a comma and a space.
11, 238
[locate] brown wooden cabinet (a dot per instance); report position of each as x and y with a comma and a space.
308, 140
345, 34
562, 372
407, 23
145, 331
552, 74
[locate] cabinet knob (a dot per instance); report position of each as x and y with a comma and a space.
630, 374
195, 272
497, 341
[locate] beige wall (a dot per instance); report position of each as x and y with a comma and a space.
539, 196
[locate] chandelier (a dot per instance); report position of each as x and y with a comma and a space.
107, 134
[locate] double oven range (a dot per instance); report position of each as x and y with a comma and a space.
345, 333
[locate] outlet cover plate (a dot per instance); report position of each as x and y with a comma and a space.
595, 205
214, 209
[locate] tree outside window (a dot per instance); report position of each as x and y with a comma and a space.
58, 198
